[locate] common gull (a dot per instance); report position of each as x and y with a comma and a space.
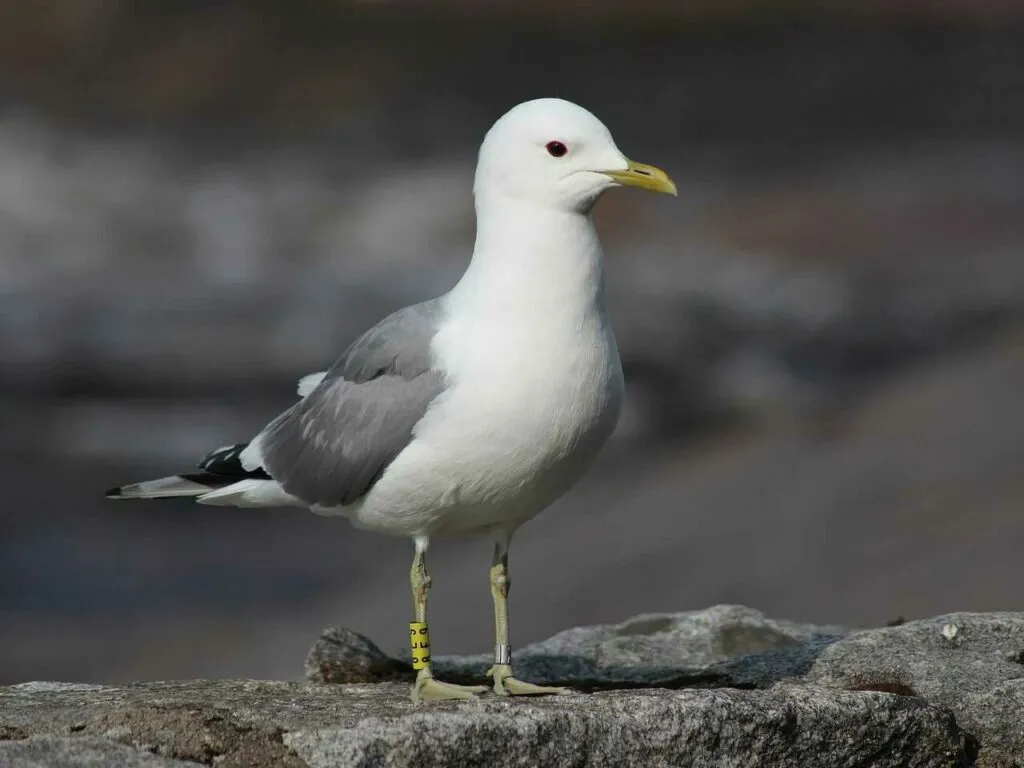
471, 412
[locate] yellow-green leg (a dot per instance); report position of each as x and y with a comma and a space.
426, 686
504, 683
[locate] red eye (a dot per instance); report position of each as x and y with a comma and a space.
556, 148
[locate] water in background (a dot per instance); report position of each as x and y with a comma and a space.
823, 335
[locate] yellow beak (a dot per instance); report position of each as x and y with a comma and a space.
645, 177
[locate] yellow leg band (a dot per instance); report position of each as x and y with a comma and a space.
419, 641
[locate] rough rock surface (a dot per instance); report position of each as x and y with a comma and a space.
343, 656
722, 687
75, 751
249, 723
655, 647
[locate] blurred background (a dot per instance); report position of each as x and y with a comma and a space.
823, 335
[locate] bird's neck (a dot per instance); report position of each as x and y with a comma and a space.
532, 256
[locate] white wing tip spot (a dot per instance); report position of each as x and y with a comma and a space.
310, 382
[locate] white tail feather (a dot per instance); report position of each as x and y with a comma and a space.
250, 493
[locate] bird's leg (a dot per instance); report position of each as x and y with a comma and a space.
504, 683
426, 686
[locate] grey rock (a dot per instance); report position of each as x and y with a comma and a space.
996, 719
342, 656
235, 723
230, 722
941, 659
785, 727
969, 663
688, 639
721, 687
79, 752
667, 649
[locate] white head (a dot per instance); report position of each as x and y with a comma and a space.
557, 154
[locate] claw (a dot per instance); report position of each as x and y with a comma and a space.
507, 685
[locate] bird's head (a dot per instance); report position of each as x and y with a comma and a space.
554, 153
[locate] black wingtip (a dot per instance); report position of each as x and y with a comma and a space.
114, 493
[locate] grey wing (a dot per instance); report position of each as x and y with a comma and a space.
332, 446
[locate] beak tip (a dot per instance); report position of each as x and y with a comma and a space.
645, 177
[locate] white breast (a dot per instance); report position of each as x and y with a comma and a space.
535, 387
513, 433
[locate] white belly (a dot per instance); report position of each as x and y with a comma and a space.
509, 437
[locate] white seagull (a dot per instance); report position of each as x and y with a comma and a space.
471, 412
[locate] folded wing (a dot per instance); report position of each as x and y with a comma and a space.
332, 446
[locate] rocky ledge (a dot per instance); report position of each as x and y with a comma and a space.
722, 687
